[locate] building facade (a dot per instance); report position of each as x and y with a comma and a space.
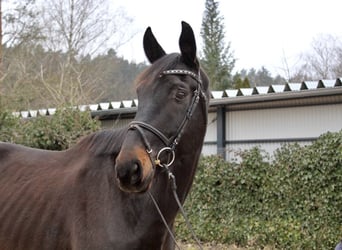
241, 119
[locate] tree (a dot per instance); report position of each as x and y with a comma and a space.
78, 28
264, 77
218, 59
19, 25
20, 29
240, 82
53, 65
323, 61
116, 76
323, 58
261, 77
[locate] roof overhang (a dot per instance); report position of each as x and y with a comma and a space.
321, 96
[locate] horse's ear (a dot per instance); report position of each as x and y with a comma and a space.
187, 45
153, 50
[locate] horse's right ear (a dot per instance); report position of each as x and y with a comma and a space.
152, 48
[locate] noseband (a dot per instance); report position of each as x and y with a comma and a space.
171, 142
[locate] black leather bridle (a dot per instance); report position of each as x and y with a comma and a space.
170, 146
171, 142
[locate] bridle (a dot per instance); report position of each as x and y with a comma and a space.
170, 143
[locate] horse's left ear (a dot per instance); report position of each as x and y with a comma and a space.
187, 45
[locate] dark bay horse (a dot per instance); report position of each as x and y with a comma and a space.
96, 195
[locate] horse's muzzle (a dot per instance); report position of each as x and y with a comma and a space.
134, 170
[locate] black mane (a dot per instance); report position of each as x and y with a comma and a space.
102, 142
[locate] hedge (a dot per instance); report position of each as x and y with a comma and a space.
56, 132
293, 201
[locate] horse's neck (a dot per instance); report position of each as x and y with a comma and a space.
189, 153
183, 171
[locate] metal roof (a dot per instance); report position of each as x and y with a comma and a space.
257, 97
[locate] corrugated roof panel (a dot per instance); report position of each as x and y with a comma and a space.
127, 103
246, 91
51, 111
16, 114
277, 88
310, 84
327, 83
217, 94
104, 105
42, 112
116, 105
83, 107
292, 87
33, 113
24, 114
231, 92
262, 89
94, 107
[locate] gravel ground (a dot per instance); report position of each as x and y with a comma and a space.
210, 247
185, 246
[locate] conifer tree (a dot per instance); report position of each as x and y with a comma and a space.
217, 59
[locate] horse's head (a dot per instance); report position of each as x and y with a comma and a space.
168, 93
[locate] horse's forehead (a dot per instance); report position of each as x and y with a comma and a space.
149, 77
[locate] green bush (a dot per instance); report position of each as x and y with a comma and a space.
9, 127
56, 132
293, 201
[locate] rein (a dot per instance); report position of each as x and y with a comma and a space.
170, 146
180, 206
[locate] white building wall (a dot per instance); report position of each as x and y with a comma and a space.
278, 123
209, 149
270, 128
211, 135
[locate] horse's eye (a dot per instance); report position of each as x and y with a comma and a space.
181, 93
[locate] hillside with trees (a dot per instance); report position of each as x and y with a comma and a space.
50, 59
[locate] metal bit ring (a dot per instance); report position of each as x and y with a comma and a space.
159, 163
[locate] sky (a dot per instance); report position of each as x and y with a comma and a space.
261, 32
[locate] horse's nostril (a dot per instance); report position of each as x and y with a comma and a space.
135, 173
130, 174
121, 173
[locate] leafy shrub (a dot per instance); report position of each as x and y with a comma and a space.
291, 202
9, 127
56, 132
